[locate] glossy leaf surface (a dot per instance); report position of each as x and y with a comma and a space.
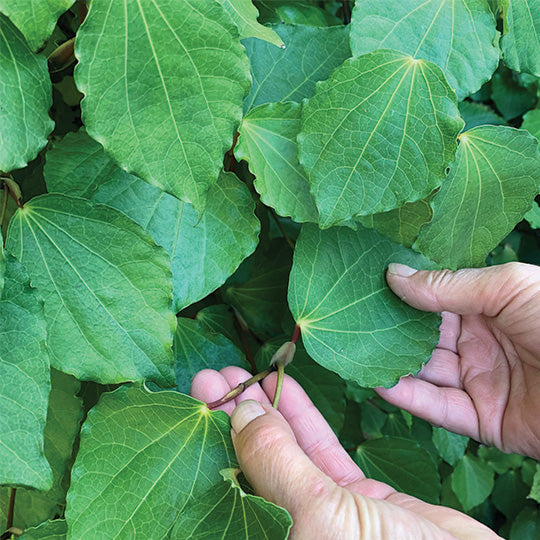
351, 321
106, 285
490, 187
378, 133
164, 83
457, 35
26, 97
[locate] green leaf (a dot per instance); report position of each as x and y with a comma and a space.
325, 388
527, 525
283, 12
36, 19
362, 141
26, 97
50, 530
64, 416
290, 74
107, 289
164, 84
498, 460
268, 143
161, 451
531, 122
533, 216
472, 481
478, 114
247, 516
204, 252
196, 348
402, 464
403, 224
457, 35
509, 494
219, 319
351, 321
521, 40
490, 187
535, 489
511, 98
24, 382
245, 14
451, 446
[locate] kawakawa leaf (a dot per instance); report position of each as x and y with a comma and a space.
204, 253
378, 133
24, 382
268, 143
164, 84
531, 122
472, 481
26, 97
457, 35
49, 530
163, 452
247, 516
64, 416
290, 74
197, 348
490, 187
351, 321
107, 289
245, 14
36, 19
521, 37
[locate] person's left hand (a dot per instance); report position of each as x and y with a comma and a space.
295, 460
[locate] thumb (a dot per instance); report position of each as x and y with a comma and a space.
465, 292
272, 461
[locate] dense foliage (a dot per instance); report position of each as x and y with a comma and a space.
187, 182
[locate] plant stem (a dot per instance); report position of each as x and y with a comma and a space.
281, 229
296, 334
279, 384
62, 56
235, 392
11, 508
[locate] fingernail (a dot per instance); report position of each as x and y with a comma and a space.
401, 270
246, 412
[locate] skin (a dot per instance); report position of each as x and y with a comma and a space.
480, 382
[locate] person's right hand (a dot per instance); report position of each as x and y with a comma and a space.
483, 379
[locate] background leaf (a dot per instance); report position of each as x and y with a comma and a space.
50, 530
351, 321
362, 141
451, 446
402, 464
478, 114
457, 35
472, 481
531, 122
490, 187
107, 289
290, 74
26, 97
24, 382
163, 84
268, 143
36, 19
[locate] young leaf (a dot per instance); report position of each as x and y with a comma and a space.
26, 97
290, 74
24, 382
204, 252
351, 321
450, 446
401, 463
107, 289
64, 416
49, 530
378, 133
268, 143
490, 187
164, 84
159, 452
35, 19
472, 481
457, 35
196, 348
521, 40
248, 516
244, 14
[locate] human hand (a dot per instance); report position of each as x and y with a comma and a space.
483, 379
295, 460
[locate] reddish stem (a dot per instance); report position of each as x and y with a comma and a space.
296, 334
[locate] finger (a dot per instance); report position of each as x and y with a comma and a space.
450, 331
450, 408
272, 461
443, 369
312, 432
234, 376
465, 292
209, 385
